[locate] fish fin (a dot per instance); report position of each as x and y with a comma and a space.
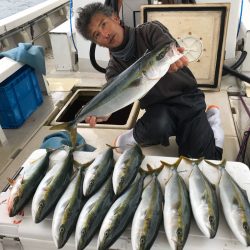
70, 127
222, 164
113, 147
191, 160
22, 181
150, 168
158, 170
174, 165
82, 166
143, 172
11, 181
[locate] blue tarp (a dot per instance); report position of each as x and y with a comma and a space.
29, 54
59, 139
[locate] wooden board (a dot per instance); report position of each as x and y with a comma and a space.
204, 22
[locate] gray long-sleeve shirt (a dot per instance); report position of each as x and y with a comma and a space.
147, 37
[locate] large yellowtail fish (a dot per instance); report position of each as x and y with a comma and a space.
93, 213
126, 169
177, 209
67, 210
98, 172
235, 204
23, 188
53, 184
148, 216
129, 86
204, 201
120, 214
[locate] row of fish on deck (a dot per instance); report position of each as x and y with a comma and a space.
106, 196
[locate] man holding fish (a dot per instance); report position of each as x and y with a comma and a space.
174, 106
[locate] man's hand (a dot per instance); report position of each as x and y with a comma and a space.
92, 120
183, 61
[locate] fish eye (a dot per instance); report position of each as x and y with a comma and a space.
41, 204
179, 232
160, 55
245, 226
106, 234
83, 232
211, 219
91, 183
142, 240
16, 199
61, 229
122, 180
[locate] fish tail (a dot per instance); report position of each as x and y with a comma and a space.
173, 165
151, 170
82, 166
222, 164
70, 127
195, 161
113, 147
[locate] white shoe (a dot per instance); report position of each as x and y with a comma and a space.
125, 141
213, 116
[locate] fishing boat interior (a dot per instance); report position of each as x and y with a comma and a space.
216, 38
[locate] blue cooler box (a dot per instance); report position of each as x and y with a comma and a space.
20, 95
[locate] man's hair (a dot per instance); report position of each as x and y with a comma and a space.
85, 14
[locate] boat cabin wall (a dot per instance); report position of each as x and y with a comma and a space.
33, 24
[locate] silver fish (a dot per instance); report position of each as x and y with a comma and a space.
98, 172
204, 202
67, 210
92, 214
52, 185
148, 216
126, 168
235, 205
129, 86
120, 214
34, 169
176, 211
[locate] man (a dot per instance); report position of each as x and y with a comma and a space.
174, 106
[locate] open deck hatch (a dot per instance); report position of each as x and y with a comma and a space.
124, 118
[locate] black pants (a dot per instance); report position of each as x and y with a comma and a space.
184, 117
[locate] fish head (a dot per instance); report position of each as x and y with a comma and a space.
89, 189
15, 198
241, 226
213, 226
39, 212
120, 187
12, 205
142, 243
81, 241
104, 239
159, 60
246, 228
243, 234
62, 236
178, 239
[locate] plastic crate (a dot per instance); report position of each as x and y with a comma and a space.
20, 95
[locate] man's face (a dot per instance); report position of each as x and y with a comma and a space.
106, 31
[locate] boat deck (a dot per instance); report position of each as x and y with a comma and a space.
21, 142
